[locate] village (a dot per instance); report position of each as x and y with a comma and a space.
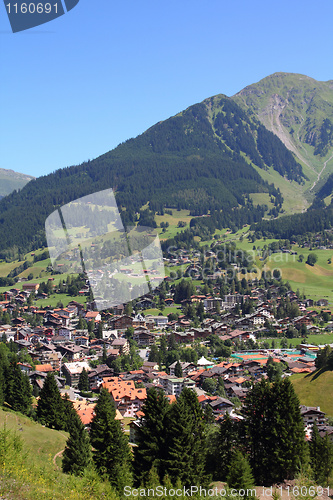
58, 345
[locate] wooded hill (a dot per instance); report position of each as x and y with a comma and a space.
201, 159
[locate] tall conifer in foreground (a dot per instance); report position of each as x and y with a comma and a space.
50, 407
77, 454
274, 432
185, 441
111, 454
240, 475
321, 456
151, 450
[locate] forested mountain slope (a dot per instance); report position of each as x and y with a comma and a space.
201, 159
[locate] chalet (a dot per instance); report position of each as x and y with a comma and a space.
71, 351
221, 406
96, 376
122, 345
312, 415
121, 322
93, 315
30, 287
143, 337
160, 321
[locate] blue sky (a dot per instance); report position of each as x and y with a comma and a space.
76, 87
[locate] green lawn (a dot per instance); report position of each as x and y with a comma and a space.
313, 390
320, 339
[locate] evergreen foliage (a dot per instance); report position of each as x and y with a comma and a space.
275, 431
77, 454
178, 370
151, 450
111, 454
321, 456
17, 388
50, 407
164, 166
240, 475
83, 384
185, 441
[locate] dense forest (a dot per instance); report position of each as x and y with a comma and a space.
194, 160
314, 220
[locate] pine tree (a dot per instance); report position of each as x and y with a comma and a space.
50, 407
151, 449
83, 384
186, 441
240, 475
77, 454
111, 455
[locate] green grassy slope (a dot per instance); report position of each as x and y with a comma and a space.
35, 471
313, 390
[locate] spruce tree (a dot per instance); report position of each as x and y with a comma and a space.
186, 441
69, 413
151, 449
83, 384
240, 475
275, 431
77, 454
228, 443
18, 389
111, 454
50, 407
321, 456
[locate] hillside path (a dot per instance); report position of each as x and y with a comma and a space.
322, 170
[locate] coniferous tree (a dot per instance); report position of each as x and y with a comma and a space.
186, 441
228, 443
69, 412
77, 454
50, 407
321, 456
83, 384
18, 389
111, 454
275, 431
240, 475
151, 450
178, 370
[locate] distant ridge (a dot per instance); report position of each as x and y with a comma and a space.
10, 180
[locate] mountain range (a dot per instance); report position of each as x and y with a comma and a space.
265, 151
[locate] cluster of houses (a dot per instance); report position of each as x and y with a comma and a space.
58, 345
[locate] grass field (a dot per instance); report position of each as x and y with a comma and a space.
34, 472
311, 339
313, 390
